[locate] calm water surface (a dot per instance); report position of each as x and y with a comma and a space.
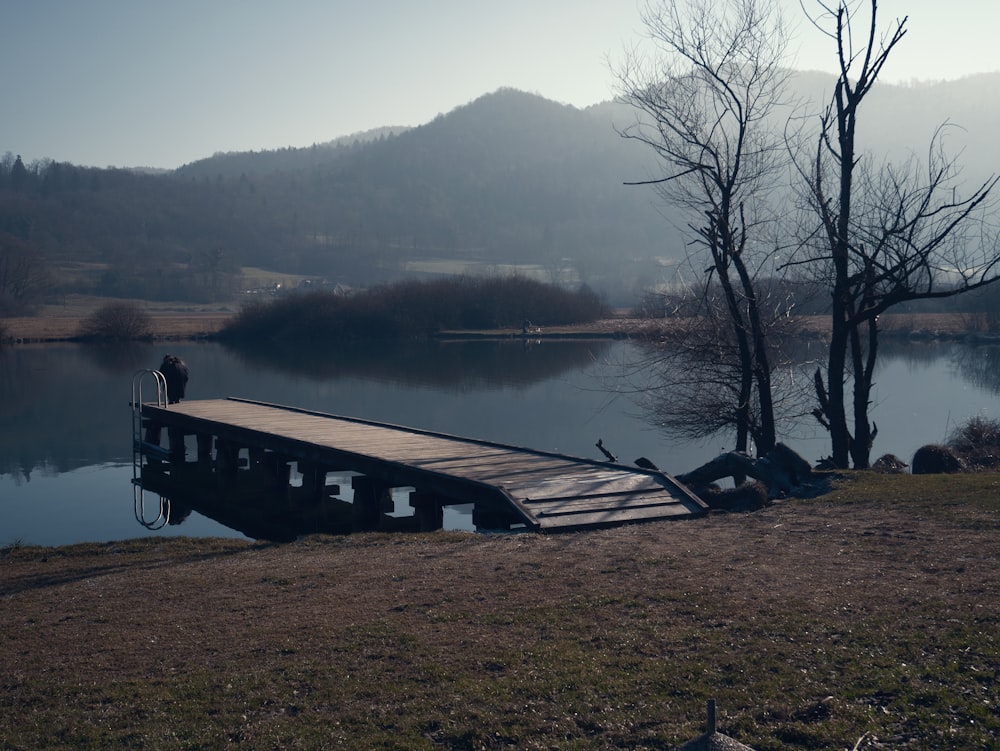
65, 424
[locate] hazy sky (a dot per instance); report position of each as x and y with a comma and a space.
164, 82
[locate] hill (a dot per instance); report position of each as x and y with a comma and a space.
510, 178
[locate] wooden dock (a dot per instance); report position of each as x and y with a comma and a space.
509, 486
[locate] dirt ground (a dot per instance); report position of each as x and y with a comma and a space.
811, 586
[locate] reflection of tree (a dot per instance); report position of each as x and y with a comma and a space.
58, 412
980, 366
452, 366
916, 353
22, 383
121, 358
689, 391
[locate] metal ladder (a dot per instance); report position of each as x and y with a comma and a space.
142, 448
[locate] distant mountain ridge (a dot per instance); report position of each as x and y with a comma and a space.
235, 163
510, 177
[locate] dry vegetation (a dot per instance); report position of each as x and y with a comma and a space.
813, 622
64, 321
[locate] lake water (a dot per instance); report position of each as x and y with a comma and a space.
65, 422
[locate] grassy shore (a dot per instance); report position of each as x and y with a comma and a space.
61, 322
187, 321
871, 613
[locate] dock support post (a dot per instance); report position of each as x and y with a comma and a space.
226, 462
491, 519
204, 447
175, 437
153, 430
429, 510
313, 481
371, 497
280, 468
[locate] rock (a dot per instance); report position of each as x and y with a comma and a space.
780, 470
934, 459
889, 464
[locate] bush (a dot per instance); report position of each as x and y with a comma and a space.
410, 309
936, 459
117, 321
978, 442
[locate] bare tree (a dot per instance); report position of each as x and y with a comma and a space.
702, 105
688, 380
117, 321
885, 234
24, 275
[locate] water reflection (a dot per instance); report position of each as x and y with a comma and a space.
57, 406
251, 505
66, 454
979, 366
118, 358
60, 404
450, 365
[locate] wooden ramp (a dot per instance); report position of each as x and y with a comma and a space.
541, 490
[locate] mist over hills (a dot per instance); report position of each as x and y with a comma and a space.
510, 178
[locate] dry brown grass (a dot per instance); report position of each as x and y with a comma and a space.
62, 322
187, 321
812, 622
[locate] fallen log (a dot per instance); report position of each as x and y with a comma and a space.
780, 470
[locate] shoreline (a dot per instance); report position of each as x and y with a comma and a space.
195, 325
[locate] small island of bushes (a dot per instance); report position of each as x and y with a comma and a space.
414, 310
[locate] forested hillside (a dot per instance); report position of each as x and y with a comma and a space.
510, 178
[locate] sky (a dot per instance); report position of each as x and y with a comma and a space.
154, 83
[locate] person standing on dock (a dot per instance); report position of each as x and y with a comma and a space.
175, 373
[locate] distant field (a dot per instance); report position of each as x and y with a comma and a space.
256, 278
183, 320
171, 320
446, 267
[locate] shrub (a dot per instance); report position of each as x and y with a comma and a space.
935, 459
411, 309
117, 321
978, 442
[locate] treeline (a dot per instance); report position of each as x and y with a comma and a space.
809, 297
117, 233
414, 309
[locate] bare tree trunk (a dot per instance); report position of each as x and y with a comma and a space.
835, 409
864, 372
760, 365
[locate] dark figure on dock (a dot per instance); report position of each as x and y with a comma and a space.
175, 372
